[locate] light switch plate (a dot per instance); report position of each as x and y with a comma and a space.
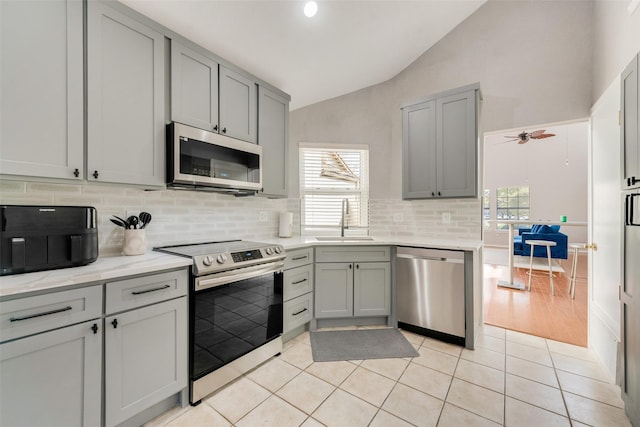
264, 216
397, 217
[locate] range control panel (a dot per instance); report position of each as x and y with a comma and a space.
246, 255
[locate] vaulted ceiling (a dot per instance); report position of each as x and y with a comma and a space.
348, 45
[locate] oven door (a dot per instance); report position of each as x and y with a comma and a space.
232, 314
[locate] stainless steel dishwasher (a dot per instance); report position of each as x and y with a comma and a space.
430, 293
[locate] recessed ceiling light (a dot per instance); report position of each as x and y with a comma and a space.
310, 9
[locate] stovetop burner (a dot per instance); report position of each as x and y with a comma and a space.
215, 257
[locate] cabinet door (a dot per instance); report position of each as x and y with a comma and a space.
334, 290
456, 145
125, 99
238, 106
194, 88
273, 135
41, 92
372, 289
630, 81
419, 151
145, 358
52, 379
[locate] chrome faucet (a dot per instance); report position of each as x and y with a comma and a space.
343, 216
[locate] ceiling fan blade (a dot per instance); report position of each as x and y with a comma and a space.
514, 137
512, 140
542, 136
535, 134
523, 141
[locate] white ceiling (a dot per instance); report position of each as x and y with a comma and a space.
348, 45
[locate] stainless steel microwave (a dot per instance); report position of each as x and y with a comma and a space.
201, 160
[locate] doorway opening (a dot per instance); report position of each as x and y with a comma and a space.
542, 180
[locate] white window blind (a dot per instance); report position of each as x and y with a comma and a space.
329, 175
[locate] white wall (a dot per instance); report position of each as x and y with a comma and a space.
617, 40
556, 188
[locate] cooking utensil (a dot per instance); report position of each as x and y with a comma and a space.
145, 218
133, 222
118, 223
124, 221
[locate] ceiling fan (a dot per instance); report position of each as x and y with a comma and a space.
524, 137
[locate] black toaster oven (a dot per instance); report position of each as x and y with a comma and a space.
35, 238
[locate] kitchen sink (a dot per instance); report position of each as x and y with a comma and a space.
343, 239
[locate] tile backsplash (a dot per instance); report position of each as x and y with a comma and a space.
402, 218
188, 216
178, 216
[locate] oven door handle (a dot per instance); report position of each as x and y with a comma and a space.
219, 279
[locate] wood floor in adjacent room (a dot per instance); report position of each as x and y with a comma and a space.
537, 312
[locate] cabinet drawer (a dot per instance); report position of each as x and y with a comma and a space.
353, 254
298, 257
132, 293
32, 315
297, 312
298, 281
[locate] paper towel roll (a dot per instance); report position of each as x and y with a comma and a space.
286, 224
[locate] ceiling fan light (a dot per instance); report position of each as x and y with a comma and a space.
310, 9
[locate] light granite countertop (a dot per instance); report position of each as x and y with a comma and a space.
118, 267
100, 271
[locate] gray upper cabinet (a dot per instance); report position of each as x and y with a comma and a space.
194, 88
630, 100
238, 106
440, 145
41, 93
273, 136
210, 96
125, 99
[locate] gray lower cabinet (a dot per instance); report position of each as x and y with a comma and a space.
440, 145
145, 347
298, 289
125, 99
53, 378
41, 89
360, 287
51, 359
630, 124
273, 136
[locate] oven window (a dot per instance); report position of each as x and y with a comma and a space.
231, 320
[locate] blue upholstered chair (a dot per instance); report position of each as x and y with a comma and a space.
541, 232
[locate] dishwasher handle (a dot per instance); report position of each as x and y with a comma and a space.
428, 258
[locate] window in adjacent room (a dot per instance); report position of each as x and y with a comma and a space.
486, 208
512, 203
329, 174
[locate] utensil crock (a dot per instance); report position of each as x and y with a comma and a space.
135, 242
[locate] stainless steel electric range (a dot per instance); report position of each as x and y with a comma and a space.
235, 310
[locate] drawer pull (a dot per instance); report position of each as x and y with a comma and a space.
298, 258
300, 312
46, 313
150, 290
297, 282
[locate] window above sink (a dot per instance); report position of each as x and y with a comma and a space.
329, 175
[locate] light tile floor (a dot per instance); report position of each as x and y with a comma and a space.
511, 379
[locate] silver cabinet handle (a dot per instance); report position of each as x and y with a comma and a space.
150, 290
297, 282
299, 312
298, 258
46, 313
